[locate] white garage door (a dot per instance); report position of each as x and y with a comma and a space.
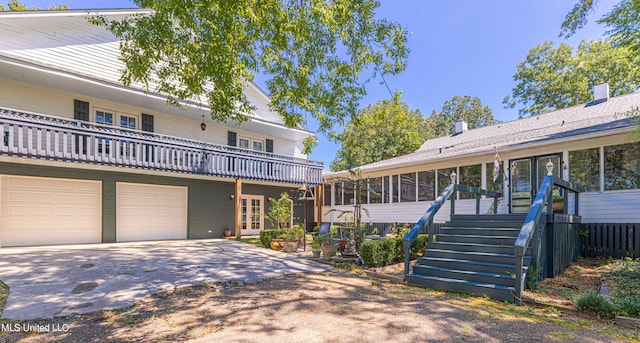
150, 212
39, 211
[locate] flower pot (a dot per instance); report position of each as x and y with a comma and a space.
316, 252
558, 207
290, 246
342, 243
227, 233
329, 250
277, 244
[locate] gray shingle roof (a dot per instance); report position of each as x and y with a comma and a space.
566, 124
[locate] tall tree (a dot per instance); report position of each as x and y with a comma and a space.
464, 107
383, 130
622, 21
552, 78
15, 5
313, 52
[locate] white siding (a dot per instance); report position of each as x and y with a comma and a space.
408, 212
621, 206
21, 95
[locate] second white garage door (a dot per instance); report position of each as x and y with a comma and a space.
150, 212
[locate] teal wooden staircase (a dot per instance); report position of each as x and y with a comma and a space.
473, 254
487, 254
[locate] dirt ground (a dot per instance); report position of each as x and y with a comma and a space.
331, 307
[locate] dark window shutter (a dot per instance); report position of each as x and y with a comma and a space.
269, 147
232, 139
147, 122
80, 110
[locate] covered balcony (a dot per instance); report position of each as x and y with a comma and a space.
38, 136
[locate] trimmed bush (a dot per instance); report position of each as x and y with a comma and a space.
380, 252
267, 235
421, 243
373, 253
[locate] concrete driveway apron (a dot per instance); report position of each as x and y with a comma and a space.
63, 280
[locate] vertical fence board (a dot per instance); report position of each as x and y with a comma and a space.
612, 240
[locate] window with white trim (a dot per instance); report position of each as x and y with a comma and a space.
243, 143
104, 117
128, 122
253, 144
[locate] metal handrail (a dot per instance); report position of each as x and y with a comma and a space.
427, 219
531, 223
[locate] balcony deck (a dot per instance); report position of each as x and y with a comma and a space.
32, 135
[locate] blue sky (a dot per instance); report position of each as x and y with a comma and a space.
457, 47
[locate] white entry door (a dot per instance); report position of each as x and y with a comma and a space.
252, 214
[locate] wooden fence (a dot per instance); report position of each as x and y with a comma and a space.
610, 240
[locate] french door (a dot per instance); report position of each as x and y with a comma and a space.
526, 177
252, 214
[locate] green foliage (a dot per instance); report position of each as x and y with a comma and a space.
552, 78
373, 253
380, 131
464, 107
279, 210
577, 18
315, 245
593, 301
292, 234
624, 283
317, 55
533, 276
324, 239
393, 249
421, 243
622, 22
380, 252
15, 5
267, 235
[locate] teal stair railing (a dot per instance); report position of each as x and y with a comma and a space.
532, 221
425, 224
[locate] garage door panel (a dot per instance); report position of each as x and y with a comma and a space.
37, 211
150, 212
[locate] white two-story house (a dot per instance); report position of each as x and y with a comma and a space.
84, 159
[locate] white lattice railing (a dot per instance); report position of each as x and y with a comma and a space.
34, 135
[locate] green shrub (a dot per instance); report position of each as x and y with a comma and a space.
292, 234
373, 253
394, 250
421, 243
627, 306
267, 235
380, 252
593, 301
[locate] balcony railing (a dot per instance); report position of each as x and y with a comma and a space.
32, 135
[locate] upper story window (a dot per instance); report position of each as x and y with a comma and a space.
108, 117
104, 117
257, 145
253, 144
128, 122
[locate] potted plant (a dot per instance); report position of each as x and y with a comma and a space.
558, 204
316, 247
227, 231
328, 245
291, 238
279, 212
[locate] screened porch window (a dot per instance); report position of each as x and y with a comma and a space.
584, 169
